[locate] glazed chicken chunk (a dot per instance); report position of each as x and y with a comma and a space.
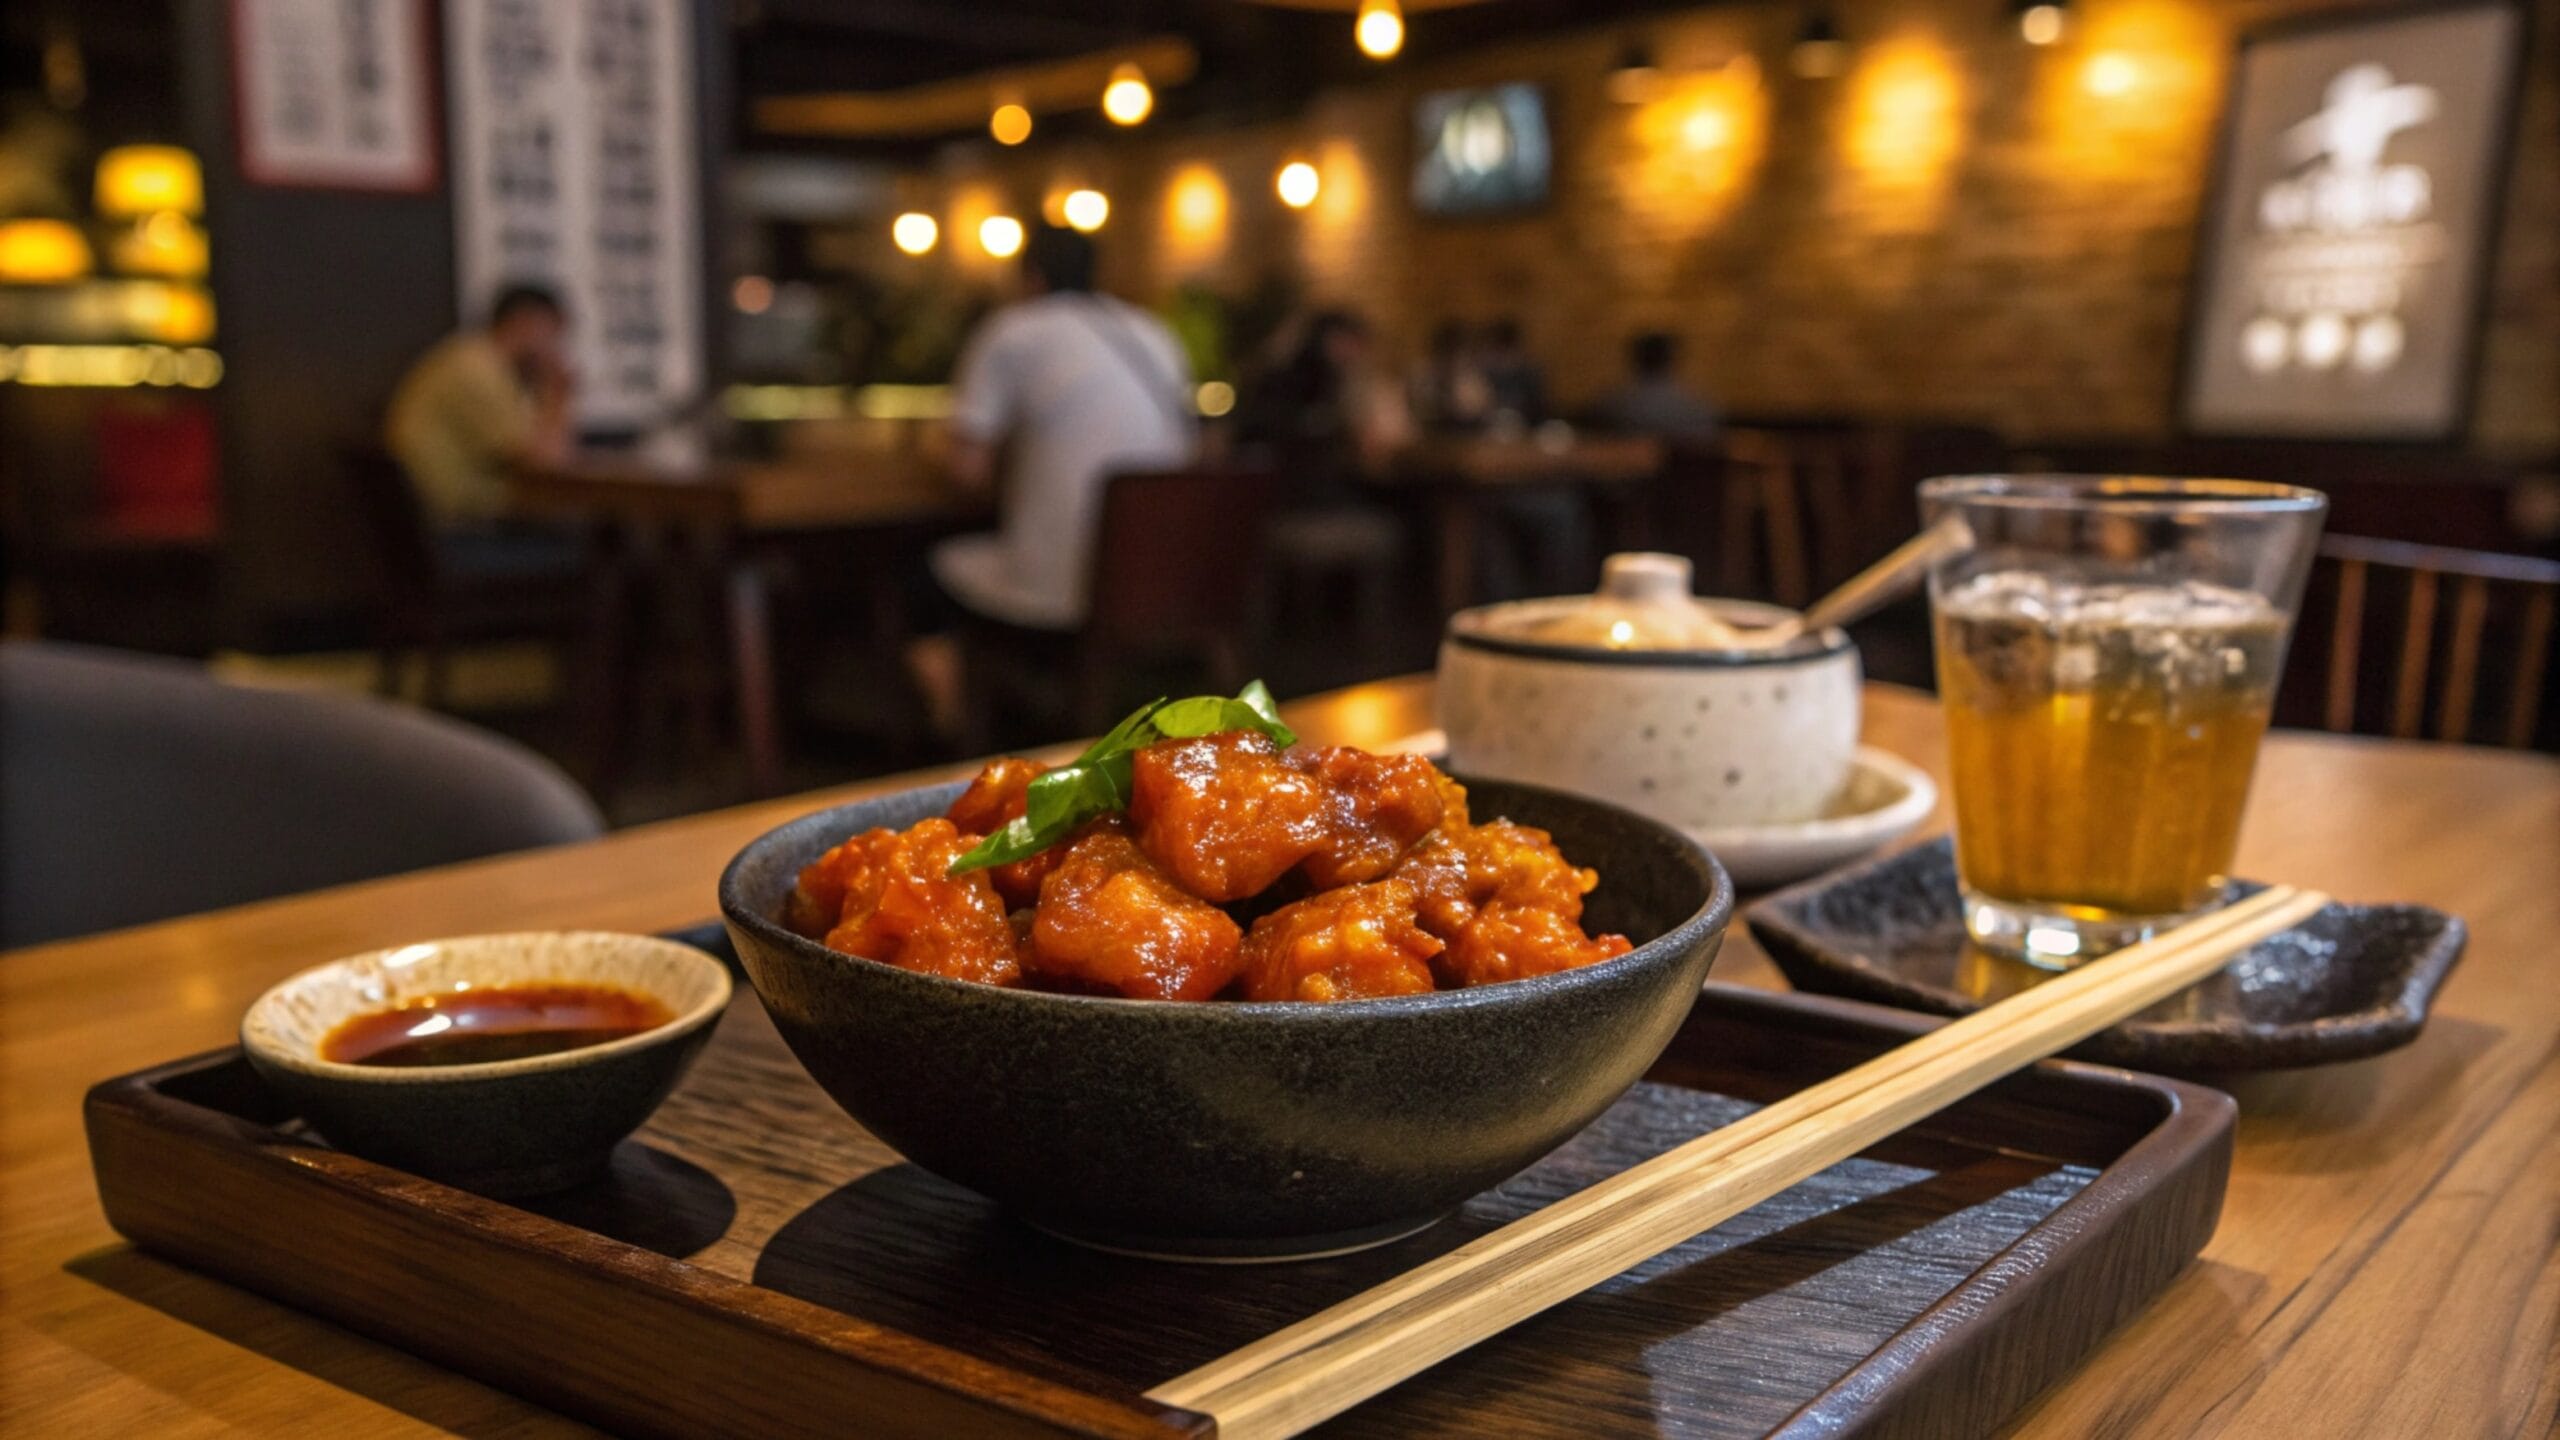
1225, 815
884, 895
993, 800
1111, 921
1381, 806
1345, 944
1504, 941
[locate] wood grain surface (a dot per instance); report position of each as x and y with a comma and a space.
2388, 1262
1927, 1286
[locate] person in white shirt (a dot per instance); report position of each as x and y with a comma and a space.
1076, 387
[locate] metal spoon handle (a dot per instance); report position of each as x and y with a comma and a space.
1890, 578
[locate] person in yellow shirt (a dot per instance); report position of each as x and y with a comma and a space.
481, 401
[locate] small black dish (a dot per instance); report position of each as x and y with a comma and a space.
2352, 981
1226, 1130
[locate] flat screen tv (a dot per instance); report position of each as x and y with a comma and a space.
1480, 152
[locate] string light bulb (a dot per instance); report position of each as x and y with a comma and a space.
1000, 236
1127, 99
915, 232
2041, 22
1085, 210
1379, 29
1298, 184
1010, 124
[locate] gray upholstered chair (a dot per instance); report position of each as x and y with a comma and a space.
133, 789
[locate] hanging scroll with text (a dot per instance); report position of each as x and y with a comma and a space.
2345, 248
335, 94
574, 167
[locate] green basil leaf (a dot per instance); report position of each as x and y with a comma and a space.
1065, 800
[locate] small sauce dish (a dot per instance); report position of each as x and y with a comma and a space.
597, 1028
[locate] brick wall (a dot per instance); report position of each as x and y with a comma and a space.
1958, 226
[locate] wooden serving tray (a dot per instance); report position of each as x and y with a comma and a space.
758, 1265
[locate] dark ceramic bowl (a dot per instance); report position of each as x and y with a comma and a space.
503, 1127
1230, 1130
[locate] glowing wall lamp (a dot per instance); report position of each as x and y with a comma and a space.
42, 252
1010, 124
1379, 29
1819, 51
915, 232
1127, 99
138, 180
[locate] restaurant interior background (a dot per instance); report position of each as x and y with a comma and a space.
1892, 238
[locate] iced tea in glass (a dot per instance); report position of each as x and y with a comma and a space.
2108, 651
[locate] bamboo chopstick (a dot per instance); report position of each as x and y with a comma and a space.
1298, 1376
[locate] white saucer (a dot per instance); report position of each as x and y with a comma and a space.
1885, 797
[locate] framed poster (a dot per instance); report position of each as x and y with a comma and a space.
575, 167
2349, 232
335, 94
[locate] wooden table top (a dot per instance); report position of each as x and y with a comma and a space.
797, 493
2388, 1262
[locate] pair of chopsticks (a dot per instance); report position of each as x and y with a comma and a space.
1323, 1365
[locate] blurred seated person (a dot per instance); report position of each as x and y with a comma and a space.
481, 402
1450, 391
1518, 383
1652, 401
1324, 413
1075, 387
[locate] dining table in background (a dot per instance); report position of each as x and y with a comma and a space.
702, 532
2385, 1265
1456, 476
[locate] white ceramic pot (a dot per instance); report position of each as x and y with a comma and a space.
1704, 738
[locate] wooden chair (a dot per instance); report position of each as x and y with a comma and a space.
1177, 571
1805, 505
426, 603
2496, 635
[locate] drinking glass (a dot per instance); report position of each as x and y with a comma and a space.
2108, 650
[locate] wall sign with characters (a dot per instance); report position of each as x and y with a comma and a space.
2338, 293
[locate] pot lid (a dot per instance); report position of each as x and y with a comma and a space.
1643, 604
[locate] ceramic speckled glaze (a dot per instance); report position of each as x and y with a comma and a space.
1703, 739
507, 1127
1228, 1130
2353, 980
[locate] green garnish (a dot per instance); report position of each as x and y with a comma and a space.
1064, 800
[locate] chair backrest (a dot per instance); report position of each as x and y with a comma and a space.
1178, 555
395, 523
2489, 615
132, 789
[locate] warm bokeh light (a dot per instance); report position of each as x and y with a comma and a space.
1215, 398
2110, 74
42, 252
2040, 24
1379, 30
137, 180
752, 294
1010, 124
1195, 216
1693, 147
163, 243
1906, 127
109, 366
174, 314
1085, 210
1298, 184
1127, 100
1339, 240
915, 232
1000, 236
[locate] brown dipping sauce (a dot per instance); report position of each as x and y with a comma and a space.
473, 1027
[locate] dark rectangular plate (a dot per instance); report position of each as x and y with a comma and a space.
757, 1264
2353, 980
